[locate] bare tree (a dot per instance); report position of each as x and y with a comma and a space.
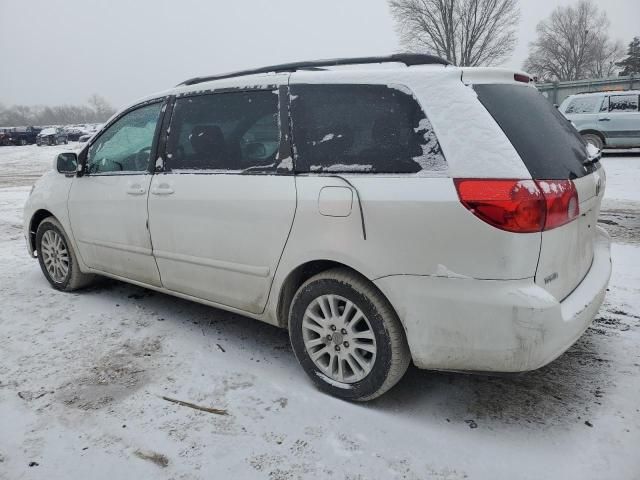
24, 115
465, 32
605, 57
572, 44
102, 108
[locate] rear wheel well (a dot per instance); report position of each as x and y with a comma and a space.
301, 274
293, 282
36, 219
594, 132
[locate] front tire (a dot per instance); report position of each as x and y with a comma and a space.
346, 336
594, 140
57, 259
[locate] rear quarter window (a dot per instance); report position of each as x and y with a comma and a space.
362, 129
548, 144
623, 103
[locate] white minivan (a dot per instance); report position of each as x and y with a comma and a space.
384, 210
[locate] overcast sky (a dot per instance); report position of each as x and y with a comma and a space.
54, 52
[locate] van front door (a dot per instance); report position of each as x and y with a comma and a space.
108, 204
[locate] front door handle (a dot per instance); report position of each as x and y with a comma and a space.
136, 189
604, 119
162, 189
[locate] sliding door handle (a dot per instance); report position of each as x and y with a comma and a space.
162, 189
136, 189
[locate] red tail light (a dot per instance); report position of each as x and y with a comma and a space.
518, 77
520, 206
562, 202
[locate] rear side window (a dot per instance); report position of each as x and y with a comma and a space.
548, 144
361, 128
623, 103
583, 105
224, 132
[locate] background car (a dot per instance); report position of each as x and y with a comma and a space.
5, 136
19, 135
74, 133
606, 119
52, 136
85, 137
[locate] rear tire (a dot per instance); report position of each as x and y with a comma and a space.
346, 336
594, 140
57, 259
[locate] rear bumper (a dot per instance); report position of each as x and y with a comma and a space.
494, 325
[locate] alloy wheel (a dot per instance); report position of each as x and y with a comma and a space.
339, 339
55, 256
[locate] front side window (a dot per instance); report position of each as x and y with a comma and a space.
237, 131
623, 103
583, 105
126, 145
360, 129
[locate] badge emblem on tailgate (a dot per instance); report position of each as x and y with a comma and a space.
550, 278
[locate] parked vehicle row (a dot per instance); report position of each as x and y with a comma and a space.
382, 215
19, 135
54, 135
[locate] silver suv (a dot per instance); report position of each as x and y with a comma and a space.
606, 119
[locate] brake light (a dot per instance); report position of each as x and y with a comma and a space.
519, 77
562, 202
520, 206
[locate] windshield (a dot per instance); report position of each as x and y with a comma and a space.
548, 144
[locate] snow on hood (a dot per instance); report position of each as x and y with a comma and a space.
48, 131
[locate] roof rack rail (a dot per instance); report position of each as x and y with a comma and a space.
408, 59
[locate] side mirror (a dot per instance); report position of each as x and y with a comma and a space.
67, 163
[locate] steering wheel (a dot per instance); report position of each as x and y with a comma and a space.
95, 167
141, 159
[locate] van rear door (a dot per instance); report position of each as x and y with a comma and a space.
556, 156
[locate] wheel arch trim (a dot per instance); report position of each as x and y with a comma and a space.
592, 131
296, 276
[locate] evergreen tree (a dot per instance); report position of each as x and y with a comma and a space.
631, 64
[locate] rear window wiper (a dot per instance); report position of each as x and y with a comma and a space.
594, 155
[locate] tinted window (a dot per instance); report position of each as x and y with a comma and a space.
583, 105
549, 145
224, 131
623, 103
125, 146
361, 128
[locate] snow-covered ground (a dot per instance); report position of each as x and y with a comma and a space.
82, 378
